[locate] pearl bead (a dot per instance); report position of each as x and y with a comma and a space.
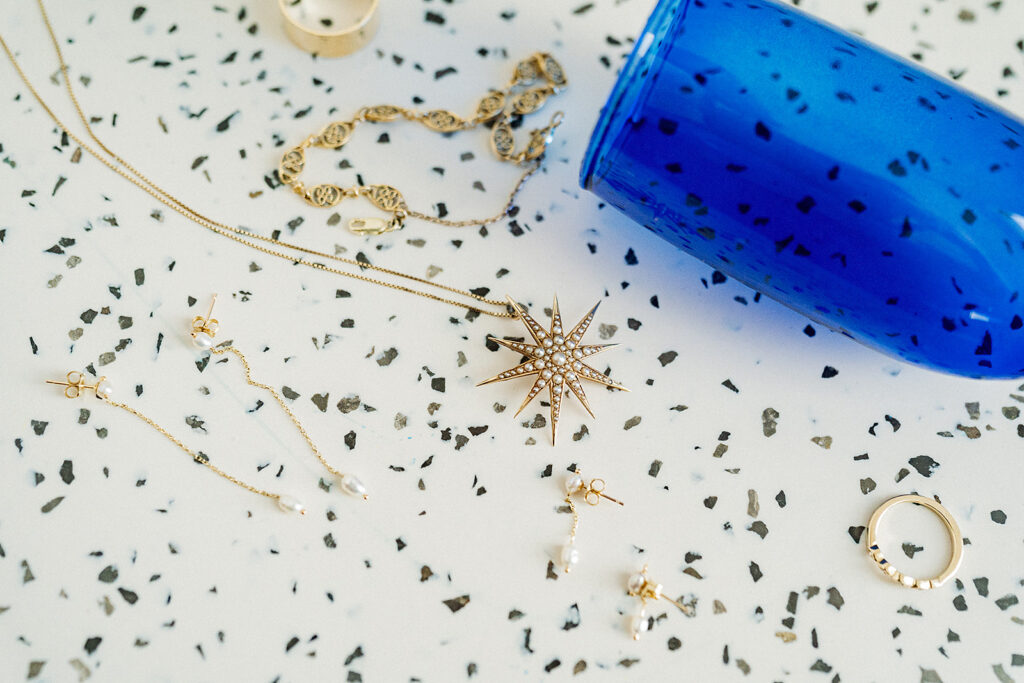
639, 624
571, 376
540, 364
574, 483
290, 504
570, 555
635, 583
546, 374
351, 485
577, 354
559, 339
202, 341
559, 358
547, 343
558, 379
104, 389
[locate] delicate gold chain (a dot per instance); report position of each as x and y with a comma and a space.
496, 108
198, 457
245, 237
280, 401
575, 518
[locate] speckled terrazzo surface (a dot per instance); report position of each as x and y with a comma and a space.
749, 454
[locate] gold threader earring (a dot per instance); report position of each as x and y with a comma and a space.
75, 386
592, 494
204, 329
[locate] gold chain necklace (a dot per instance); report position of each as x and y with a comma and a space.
252, 240
496, 108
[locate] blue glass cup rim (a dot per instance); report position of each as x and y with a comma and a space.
629, 91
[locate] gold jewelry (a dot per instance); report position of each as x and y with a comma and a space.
592, 494
956, 540
300, 255
295, 254
556, 359
204, 329
330, 43
75, 386
497, 107
639, 585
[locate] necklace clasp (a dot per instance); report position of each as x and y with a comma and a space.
375, 226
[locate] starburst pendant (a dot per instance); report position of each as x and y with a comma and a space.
557, 360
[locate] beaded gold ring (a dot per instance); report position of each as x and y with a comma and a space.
330, 43
956, 540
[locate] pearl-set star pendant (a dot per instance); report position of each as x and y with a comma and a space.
557, 361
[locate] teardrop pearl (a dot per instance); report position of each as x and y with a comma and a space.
290, 504
635, 584
104, 389
569, 556
351, 485
202, 341
639, 624
574, 483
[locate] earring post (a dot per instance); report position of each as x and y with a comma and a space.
209, 312
682, 608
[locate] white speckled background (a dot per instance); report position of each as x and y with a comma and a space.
149, 568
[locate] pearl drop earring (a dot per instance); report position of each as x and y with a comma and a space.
639, 585
204, 329
592, 494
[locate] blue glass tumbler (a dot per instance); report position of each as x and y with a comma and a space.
826, 173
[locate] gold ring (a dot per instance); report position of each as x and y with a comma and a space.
333, 43
899, 577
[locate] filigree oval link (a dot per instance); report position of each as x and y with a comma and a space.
490, 106
530, 101
442, 121
325, 195
292, 163
553, 71
386, 198
527, 71
383, 112
335, 135
503, 142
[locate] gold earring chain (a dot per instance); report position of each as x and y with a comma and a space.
348, 482
203, 330
198, 457
252, 240
497, 108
